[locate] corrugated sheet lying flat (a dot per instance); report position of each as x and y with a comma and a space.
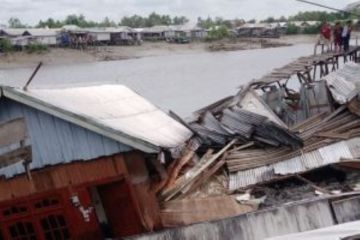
55, 141
114, 111
344, 84
330, 154
330, 233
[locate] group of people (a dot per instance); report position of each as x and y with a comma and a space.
340, 35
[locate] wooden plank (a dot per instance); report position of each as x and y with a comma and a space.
21, 154
204, 177
172, 192
189, 211
12, 131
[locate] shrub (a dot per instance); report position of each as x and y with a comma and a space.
312, 29
292, 29
36, 48
218, 33
5, 45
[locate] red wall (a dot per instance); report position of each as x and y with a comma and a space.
36, 208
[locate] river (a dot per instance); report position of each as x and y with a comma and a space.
182, 83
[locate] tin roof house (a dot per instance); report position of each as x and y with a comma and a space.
43, 35
77, 163
156, 33
123, 35
261, 30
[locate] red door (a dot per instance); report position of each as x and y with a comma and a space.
120, 209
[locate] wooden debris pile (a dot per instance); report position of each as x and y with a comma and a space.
241, 142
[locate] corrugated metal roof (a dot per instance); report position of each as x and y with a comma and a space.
330, 154
253, 103
14, 31
42, 31
53, 140
344, 84
113, 111
157, 29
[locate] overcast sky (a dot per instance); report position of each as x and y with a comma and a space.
31, 11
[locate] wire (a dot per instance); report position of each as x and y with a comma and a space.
327, 7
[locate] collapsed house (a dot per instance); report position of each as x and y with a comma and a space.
267, 154
268, 146
76, 162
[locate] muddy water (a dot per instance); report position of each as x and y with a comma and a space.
182, 83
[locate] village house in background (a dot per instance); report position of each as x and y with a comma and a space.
76, 37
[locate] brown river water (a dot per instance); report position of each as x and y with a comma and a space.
182, 83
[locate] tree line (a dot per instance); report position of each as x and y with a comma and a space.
153, 19
319, 16
134, 21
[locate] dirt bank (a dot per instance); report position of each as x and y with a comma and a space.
110, 53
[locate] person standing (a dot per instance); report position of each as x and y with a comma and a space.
346, 35
338, 29
325, 36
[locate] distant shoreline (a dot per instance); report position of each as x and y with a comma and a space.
112, 53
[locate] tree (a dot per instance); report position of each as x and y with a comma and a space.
15, 23
134, 21
292, 29
107, 23
207, 23
153, 19
252, 21
269, 20
218, 33
282, 19
50, 23
180, 20
80, 21
319, 16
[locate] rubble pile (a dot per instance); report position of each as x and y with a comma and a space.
263, 135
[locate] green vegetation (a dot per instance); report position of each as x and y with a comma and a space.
319, 16
15, 23
218, 21
292, 29
134, 21
5, 46
315, 16
315, 29
218, 33
153, 19
36, 48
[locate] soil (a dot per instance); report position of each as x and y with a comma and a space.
111, 53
